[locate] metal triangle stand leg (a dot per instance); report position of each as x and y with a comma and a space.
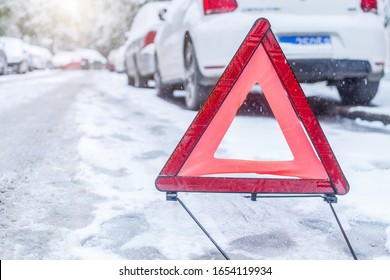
330, 199
173, 197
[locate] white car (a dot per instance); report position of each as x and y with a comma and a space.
39, 56
338, 41
111, 60
140, 50
119, 59
90, 59
17, 56
61, 59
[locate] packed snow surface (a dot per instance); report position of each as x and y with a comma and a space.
80, 151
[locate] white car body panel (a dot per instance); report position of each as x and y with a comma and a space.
145, 60
119, 59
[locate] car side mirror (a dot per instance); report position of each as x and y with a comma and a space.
162, 14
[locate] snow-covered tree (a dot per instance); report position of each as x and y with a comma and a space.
61, 24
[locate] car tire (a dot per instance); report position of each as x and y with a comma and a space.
163, 90
22, 68
196, 94
130, 80
139, 81
358, 91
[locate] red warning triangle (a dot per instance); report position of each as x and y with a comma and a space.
259, 60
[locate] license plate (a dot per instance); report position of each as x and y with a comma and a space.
305, 40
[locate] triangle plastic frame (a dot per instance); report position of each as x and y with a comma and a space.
176, 176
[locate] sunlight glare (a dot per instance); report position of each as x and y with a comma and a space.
69, 7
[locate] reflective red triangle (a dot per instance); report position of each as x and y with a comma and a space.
258, 60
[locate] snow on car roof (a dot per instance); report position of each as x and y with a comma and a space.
11, 45
39, 51
146, 19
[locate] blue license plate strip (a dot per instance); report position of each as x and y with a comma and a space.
305, 40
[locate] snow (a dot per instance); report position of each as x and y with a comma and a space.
119, 58
62, 58
361, 206
11, 99
13, 48
93, 196
147, 19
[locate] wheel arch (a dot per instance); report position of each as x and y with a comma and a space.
187, 38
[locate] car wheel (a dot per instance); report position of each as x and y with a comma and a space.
196, 93
357, 91
163, 90
139, 81
22, 68
130, 80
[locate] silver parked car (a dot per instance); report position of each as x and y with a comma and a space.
140, 51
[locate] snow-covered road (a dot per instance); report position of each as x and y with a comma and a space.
79, 153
